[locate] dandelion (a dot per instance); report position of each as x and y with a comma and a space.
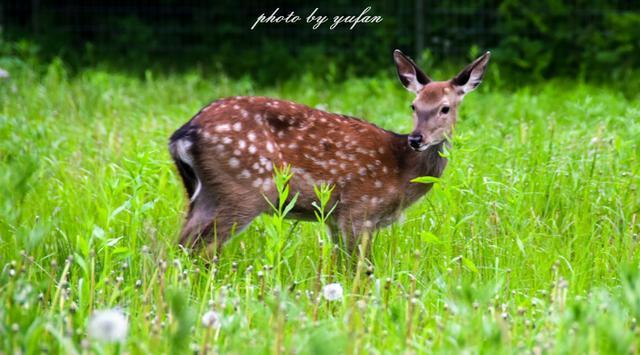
108, 325
211, 319
332, 292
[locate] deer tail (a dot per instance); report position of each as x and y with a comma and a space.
181, 146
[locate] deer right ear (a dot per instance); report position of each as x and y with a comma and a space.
410, 75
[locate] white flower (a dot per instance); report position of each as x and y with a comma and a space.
211, 319
3, 74
332, 292
109, 325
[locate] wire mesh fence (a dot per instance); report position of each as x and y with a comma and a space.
544, 38
195, 25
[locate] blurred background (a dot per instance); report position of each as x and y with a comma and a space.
531, 40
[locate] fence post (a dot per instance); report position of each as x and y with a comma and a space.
35, 9
419, 32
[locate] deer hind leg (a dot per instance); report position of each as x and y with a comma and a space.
212, 226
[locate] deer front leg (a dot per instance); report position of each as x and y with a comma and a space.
356, 231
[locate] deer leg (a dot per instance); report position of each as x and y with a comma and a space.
229, 221
198, 221
213, 226
354, 228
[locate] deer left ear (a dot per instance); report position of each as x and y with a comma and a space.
471, 76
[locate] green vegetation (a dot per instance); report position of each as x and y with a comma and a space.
528, 243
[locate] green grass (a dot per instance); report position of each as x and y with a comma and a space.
528, 244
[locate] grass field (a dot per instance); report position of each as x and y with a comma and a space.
529, 243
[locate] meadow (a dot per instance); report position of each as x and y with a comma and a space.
527, 244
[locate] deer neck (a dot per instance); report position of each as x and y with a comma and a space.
413, 164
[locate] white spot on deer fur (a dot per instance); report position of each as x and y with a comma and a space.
234, 162
281, 134
266, 163
362, 171
381, 150
244, 113
257, 118
227, 140
266, 186
385, 169
222, 127
237, 152
257, 182
236, 107
255, 166
244, 174
368, 224
242, 144
252, 149
237, 126
343, 166
251, 136
293, 146
364, 198
377, 184
220, 148
269, 147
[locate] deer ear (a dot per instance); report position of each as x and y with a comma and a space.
471, 76
410, 75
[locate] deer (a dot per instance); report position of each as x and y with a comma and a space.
227, 152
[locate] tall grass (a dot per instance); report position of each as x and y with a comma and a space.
528, 242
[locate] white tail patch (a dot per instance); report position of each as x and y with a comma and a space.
182, 150
197, 192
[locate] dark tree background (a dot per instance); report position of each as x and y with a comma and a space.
534, 39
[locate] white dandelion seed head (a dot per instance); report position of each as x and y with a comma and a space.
109, 325
332, 292
211, 319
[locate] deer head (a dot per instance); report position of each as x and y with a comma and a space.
436, 102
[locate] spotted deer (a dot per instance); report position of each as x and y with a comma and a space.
226, 155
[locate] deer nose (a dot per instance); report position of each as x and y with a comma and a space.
415, 140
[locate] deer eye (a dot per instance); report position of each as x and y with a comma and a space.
445, 109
